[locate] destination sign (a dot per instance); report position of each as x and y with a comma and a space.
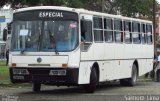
44, 15
50, 14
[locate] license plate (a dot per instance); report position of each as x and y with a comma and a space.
57, 72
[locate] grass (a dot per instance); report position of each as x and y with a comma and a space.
4, 73
4, 76
2, 62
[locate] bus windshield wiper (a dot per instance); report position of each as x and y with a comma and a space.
52, 38
23, 50
56, 51
39, 40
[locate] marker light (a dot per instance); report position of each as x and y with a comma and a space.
14, 65
64, 65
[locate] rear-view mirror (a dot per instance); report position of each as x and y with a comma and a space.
4, 34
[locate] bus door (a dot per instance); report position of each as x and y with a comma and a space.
86, 39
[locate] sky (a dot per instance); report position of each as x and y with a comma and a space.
158, 1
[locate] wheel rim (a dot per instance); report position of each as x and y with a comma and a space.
134, 76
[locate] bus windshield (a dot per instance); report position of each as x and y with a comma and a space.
44, 30
61, 35
44, 35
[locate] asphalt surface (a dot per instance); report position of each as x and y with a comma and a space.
145, 90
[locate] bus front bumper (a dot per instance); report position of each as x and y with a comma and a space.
54, 76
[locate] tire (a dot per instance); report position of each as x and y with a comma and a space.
90, 88
131, 81
36, 87
158, 75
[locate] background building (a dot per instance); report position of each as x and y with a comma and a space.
6, 15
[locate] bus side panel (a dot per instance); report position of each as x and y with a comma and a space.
146, 63
145, 66
125, 69
108, 70
127, 62
112, 70
84, 73
99, 57
74, 59
102, 71
119, 56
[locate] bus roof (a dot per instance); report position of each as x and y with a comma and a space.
81, 11
45, 7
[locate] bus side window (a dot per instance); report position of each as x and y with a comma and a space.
98, 29
118, 31
108, 29
127, 32
136, 33
149, 33
143, 32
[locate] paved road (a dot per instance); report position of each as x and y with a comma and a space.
144, 91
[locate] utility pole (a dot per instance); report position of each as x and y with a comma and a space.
154, 25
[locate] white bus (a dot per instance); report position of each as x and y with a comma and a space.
67, 46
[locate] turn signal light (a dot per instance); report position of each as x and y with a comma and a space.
14, 65
64, 65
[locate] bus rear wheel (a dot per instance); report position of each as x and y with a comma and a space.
90, 88
131, 81
36, 87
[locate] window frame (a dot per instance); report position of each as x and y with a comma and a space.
136, 32
120, 31
91, 30
108, 30
129, 31
143, 33
151, 34
98, 29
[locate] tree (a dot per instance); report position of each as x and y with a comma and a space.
87, 4
111, 6
3, 2
131, 8
69, 3
94, 5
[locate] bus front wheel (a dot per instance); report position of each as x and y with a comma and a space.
36, 87
90, 88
